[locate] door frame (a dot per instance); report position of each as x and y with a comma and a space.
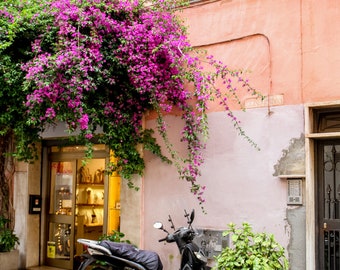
311, 138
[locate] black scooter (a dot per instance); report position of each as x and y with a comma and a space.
193, 257
123, 256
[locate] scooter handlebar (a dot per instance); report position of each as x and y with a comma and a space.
169, 238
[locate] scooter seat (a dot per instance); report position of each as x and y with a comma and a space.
149, 259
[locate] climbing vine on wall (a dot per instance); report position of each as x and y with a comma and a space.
102, 63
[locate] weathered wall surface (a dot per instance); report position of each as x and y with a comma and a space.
297, 246
27, 227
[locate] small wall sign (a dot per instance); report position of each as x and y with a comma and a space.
35, 204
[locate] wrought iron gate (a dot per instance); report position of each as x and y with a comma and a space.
329, 204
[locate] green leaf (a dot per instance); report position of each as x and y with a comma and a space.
249, 250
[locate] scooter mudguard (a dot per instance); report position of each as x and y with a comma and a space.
189, 259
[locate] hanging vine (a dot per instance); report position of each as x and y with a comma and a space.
102, 63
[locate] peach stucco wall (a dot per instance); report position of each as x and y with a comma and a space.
291, 47
267, 34
321, 50
292, 52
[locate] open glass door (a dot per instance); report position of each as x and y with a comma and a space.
60, 218
90, 216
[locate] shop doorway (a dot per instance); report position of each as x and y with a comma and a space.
82, 201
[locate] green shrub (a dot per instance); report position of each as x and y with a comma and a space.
115, 236
249, 250
7, 238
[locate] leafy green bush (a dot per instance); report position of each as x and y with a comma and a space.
7, 238
249, 250
116, 236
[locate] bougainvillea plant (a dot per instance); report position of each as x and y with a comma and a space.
105, 64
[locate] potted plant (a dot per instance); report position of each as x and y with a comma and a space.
9, 257
251, 250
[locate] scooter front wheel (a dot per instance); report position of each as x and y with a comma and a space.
86, 262
94, 266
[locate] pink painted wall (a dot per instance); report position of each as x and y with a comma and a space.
240, 182
292, 50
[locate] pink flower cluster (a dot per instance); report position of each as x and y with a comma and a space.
111, 61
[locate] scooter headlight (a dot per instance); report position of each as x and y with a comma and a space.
200, 256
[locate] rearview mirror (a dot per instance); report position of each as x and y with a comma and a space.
192, 215
158, 225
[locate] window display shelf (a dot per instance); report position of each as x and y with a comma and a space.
93, 225
90, 185
90, 204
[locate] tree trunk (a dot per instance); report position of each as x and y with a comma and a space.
7, 177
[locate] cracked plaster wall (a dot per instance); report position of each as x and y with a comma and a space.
297, 244
292, 162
